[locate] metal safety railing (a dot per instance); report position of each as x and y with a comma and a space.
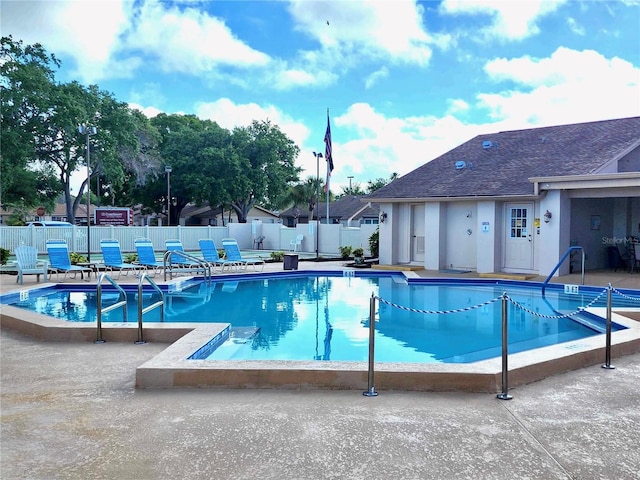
505, 299
564, 257
122, 302
142, 310
197, 265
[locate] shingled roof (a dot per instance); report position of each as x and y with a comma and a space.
500, 164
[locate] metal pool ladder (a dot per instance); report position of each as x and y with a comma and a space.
122, 302
141, 310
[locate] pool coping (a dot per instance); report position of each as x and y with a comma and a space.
172, 369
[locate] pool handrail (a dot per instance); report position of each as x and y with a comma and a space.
122, 302
201, 264
148, 308
564, 257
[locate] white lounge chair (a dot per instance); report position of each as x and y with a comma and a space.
27, 263
296, 245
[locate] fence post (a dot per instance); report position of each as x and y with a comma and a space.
607, 360
371, 390
505, 352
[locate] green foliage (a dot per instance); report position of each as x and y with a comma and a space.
41, 145
130, 258
277, 256
222, 253
345, 252
374, 243
358, 252
77, 258
4, 256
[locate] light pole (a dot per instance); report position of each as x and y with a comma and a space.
88, 131
350, 191
318, 157
167, 170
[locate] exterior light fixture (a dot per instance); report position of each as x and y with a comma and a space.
547, 216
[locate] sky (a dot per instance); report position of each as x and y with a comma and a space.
403, 81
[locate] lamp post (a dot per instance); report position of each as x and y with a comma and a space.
350, 191
167, 170
88, 131
318, 157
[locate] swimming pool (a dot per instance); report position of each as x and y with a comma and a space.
324, 316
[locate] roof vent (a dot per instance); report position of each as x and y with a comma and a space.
460, 164
487, 144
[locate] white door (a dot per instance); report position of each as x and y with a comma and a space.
417, 233
519, 236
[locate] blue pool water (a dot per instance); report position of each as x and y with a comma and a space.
325, 316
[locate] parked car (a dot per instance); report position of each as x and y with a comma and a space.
49, 223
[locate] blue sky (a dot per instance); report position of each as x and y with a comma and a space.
404, 81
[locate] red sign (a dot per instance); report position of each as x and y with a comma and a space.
40, 212
113, 216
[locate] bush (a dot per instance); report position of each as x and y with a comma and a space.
4, 256
374, 243
358, 252
77, 258
130, 258
345, 252
277, 256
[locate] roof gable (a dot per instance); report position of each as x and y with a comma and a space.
500, 164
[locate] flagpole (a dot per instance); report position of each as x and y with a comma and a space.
328, 157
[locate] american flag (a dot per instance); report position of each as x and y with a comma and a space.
327, 153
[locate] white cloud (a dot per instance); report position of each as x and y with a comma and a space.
379, 74
390, 30
570, 86
512, 20
387, 145
89, 36
575, 27
188, 40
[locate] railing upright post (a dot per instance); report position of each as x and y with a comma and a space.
607, 360
371, 390
505, 351
99, 338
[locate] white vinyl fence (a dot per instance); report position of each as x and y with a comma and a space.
329, 238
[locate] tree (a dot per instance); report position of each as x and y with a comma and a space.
354, 189
26, 78
373, 185
265, 169
43, 146
201, 158
303, 195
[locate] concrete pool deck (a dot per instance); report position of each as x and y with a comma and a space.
71, 410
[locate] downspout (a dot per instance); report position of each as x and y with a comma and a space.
357, 213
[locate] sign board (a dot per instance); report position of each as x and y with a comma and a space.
40, 212
113, 216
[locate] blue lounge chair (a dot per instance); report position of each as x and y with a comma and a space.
182, 263
112, 257
232, 252
210, 255
27, 263
147, 255
60, 261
